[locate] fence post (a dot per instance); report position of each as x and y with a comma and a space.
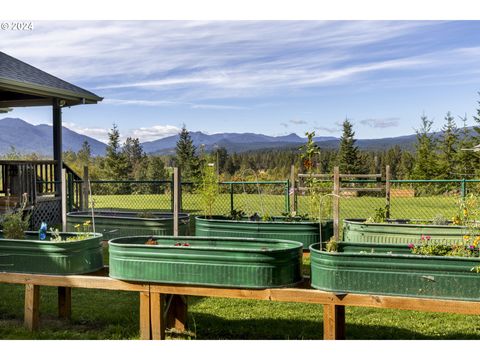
287, 196
387, 191
293, 203
336, 203
176, 199
463, 189
232, 207
64, 199
85, 189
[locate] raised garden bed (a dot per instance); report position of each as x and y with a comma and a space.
113, 224
31, 255
399, 232
223, 262
306, 232
393, 270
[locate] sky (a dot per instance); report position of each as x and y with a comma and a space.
270, 77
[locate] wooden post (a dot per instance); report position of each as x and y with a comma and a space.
64, 303
336, 203
177, 314
85, 189
145, 331
157, 313
32, 306
57, 141
293, 207
64, 200
333, 322
387, 191
176, 199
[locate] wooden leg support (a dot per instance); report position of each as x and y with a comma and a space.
64, 303
333, 322
32, 305
177, 313
157, 313
145, 333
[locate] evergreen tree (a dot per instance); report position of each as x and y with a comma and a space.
185, 158
348, 158
85, 153
136, 157
448, 147
426, 159
116, 163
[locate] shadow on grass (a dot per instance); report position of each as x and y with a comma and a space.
211, 327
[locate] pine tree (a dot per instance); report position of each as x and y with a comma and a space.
136, 157
186, 159
85, 153
426, 159
348, 158
116, 163
448, 147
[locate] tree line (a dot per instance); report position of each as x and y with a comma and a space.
443, 155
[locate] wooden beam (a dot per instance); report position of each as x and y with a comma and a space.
57, 141
64, 303
32, 307
157, 316
73, 281
64, 199
333, 322
336, 203
145, 319
177, 313
176, 199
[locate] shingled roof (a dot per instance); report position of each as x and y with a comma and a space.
24, 85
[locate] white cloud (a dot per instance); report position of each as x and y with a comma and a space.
100, 134
381, 122
154, 132
298, 122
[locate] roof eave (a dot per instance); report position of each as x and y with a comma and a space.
46, 92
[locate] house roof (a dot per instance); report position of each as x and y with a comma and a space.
24, 85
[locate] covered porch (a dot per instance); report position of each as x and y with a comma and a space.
23, 85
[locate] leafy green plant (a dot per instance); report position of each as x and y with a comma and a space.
267, 217
16, 222
332, 245
380, 216
237, 214
208, 189
319, 205
440, 219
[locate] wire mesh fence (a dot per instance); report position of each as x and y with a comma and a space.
409, 199
265, 197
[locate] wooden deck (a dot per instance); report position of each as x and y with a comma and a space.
154, 304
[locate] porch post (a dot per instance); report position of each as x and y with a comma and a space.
57, 143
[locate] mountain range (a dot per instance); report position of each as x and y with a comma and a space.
28, 138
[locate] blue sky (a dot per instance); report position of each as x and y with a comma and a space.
271, 77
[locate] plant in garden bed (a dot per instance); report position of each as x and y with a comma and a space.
208, 189
85, 228
15, 223
316, 187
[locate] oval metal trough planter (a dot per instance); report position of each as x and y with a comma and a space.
113, 224
306, 232
35, 256
384, 269
218, 262
356, 230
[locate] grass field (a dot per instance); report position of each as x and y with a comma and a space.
350, 207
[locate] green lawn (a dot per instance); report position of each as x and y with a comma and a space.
99, 314
350, 207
